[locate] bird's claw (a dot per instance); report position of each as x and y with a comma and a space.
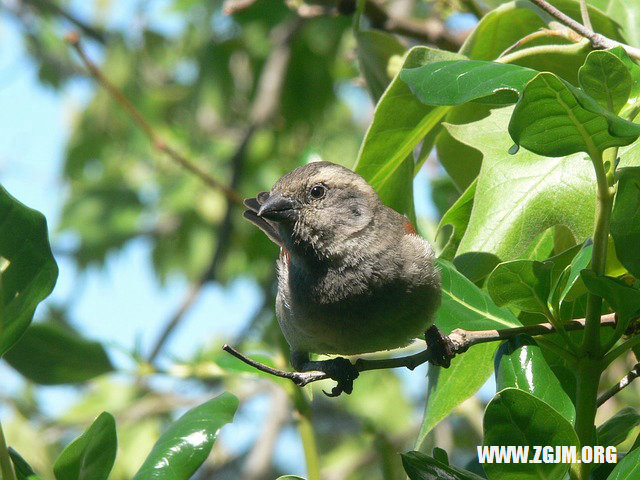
441, 345
342, 371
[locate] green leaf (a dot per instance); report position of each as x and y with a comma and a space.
515, 417
290, 477
50, 354
624, 299
461, 299
569, 285
22, 468
523, 284
625, 13
520, 364
423, 467
499, 29
625, 227
518, 197
461, 162
628, 468
400, 123
453, 82
186, 444
615, 430
553, 118
605, 77
375, 49
91, 455
28, 270
457, 217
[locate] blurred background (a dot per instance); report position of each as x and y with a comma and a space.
159, 268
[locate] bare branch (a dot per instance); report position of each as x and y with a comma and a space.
137, 117
626, 380
597, 40
461, 339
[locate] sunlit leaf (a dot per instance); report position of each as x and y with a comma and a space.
520, 364
186, 444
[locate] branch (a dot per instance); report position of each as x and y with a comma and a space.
159, 143
461, 339
597, 40
88, 30
626, 380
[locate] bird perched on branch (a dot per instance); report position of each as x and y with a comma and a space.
353, 275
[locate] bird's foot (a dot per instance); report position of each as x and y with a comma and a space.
441, 345
339, 369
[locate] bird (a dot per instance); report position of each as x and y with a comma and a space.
353, 274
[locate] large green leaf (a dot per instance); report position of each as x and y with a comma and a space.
518, 197
399, 124
464, 305
423, 467
187, 442
514, 417
605, 77
553, 118
616, 430
28, 270
91, 455
453, 82
625, 219
523, 284
50, 354
628, 468
520, 364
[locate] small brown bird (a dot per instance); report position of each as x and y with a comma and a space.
353, 275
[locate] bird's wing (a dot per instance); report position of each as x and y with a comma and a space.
253, 205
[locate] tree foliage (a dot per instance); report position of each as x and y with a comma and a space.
528, 131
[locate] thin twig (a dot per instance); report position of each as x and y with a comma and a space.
159, 143
584, 13
88, 30
597, 40
461, 339
626, 380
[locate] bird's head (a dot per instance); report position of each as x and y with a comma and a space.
322, 206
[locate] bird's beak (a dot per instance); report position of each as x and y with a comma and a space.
279, 208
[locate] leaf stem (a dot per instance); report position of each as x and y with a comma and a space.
573, 48
584, 13
6, 464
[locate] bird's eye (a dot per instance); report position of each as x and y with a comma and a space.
317, 191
